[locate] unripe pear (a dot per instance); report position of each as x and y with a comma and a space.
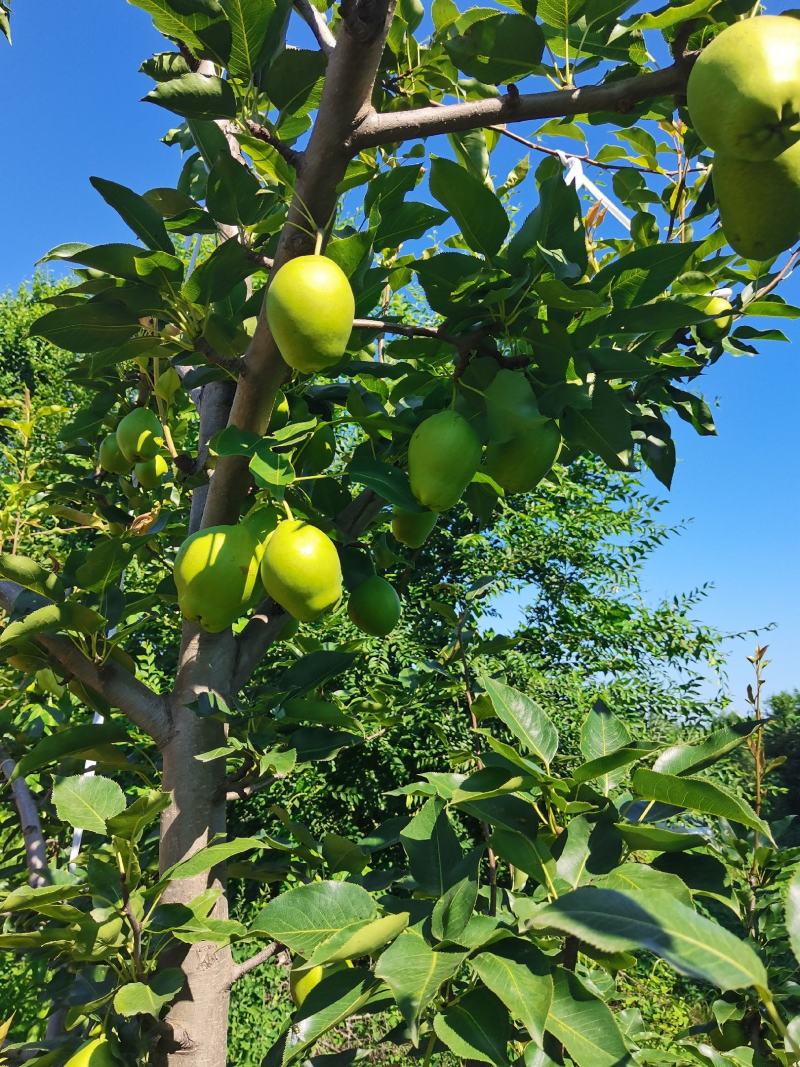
759, 203
111, 458
215, 572
150, 472
139, 435
413, 528
280, 411
719, 326
743, 92
167, 384
511, 406
95, 1053
520, 464
310, 308
302, 982
443, 456
374, 606
300, 570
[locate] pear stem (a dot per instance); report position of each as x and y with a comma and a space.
318, 242
288, 510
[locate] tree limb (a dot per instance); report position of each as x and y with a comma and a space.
241, 969
30, 824
148, 710
263, 133
392, 126
318, 25
346, 101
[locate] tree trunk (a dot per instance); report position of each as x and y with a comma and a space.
197, 1023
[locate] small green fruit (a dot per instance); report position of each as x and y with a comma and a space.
511, 406
520, 464
111, 458
318, 452
743, 92
310, 308
302, 982
95, 1053
280, 411
150, 472
443, 456
759, 203
215, 572
167, 384
300, 570
719, 326
139, 435
375, 606
413, 528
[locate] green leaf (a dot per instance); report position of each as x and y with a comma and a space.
415, 972
136, 998
605, 766
292, 78
313, 670
477, 1027
206, 858
189, 27
670, 15
655, 921
697, 795
136, 213
453, 910
195, 96
362, 939
524, 718
477, 210
602, 732
131, 823
214, 278
643, 275
69, 742
519, 974
89, 326
643, 838
232, 192
640, 877
560, 14
432, 848
305, 916
388, 482
53, 618
337, 997
88, 802
793, 912
583, 1024
604, 428
248, 20
271, 470
30, 898
104, 564
407, 221
500, 48
679, 759
28, 573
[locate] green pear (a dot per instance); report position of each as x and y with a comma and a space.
300, 570
318, 452
95, 1053
150, 472
511, 405
301, 982
139, 435
310, 308
443, 457
520, 464
413, 528
215, 573
719, 326
743, 92
374, 606
111, 458
280, 411
759, 203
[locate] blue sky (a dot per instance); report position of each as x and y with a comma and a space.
71, 95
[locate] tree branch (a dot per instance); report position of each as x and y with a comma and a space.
148, 710
390, 127
35, 845
346, 101
263, 133
318, 25
241, 969
776, 279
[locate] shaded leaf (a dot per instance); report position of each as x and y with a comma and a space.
524, 718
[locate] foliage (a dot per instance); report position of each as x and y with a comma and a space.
542, 853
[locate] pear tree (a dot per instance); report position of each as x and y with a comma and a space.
343, 321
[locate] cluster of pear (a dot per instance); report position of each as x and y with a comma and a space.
445, 452
136, 446
743, 97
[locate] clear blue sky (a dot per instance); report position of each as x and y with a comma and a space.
71, 95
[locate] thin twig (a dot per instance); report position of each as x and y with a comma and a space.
249, 788
30, 824
265, 134
241, 969
318, 25
776, 280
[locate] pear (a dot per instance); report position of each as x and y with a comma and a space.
510, 405
111, 458
520, 464
150, 472
443, 457
95, 1053
215, 572
301, 982
300, 570
310, 308
280, 411
374, 606
719, 326
759, 203
139, 435
413, 528
743, 92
